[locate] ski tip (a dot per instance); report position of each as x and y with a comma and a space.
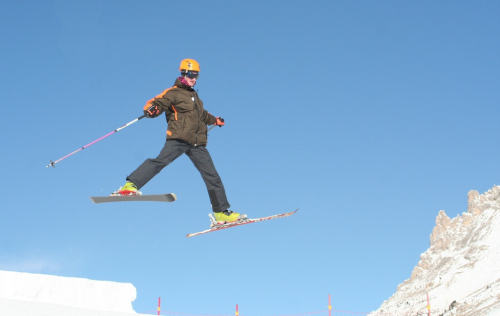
174, 196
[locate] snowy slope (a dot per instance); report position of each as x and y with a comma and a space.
26, 308
38, 294
461, 270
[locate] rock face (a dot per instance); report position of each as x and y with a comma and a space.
461, 269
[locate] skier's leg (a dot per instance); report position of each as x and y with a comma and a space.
203, 162
151, 167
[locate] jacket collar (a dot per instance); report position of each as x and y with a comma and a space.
178, 83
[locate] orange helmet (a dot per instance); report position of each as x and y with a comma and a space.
189, 64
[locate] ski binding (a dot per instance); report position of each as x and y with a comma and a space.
215, 226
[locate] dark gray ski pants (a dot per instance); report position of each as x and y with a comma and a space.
201, 159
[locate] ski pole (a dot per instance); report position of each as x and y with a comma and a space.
215, 126
53, 163
208, 130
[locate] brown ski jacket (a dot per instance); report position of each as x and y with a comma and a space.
187, 119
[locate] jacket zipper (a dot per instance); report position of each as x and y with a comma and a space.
197, 125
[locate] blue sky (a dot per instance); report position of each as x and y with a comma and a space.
369, 116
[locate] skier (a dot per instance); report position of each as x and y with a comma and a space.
186, 134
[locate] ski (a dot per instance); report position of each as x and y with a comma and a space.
216, 227
168, 197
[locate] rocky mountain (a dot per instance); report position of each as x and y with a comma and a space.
460, 272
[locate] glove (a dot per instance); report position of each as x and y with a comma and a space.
219, 121
151, 110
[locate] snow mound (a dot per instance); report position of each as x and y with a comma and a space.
65, 291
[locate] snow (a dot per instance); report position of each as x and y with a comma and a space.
25, 308
41, 295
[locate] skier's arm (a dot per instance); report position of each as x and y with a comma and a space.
208, 118
157, 105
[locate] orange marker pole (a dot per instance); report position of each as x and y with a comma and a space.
329, 305
159, 300
428, 305
237, 312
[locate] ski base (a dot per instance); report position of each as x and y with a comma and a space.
240, 222
168, 197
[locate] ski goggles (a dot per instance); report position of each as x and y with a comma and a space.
192, 75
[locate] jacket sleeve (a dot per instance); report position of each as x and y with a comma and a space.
208, 118
163, 101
